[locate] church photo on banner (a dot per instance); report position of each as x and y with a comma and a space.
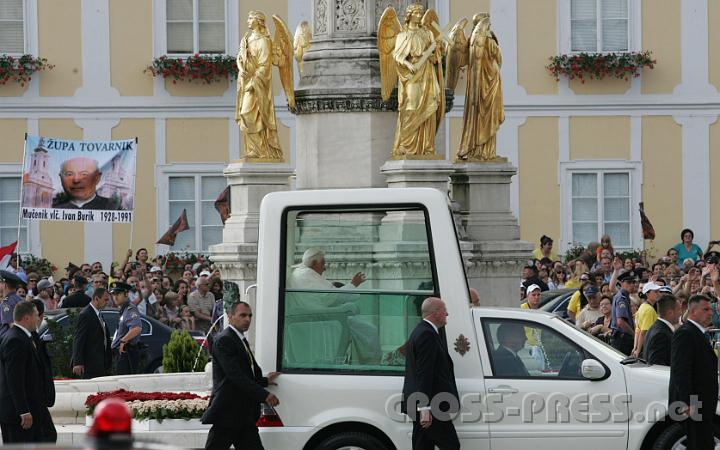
79, 181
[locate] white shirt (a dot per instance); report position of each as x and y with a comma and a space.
81, 203
239, 333
700, 327
667, 323
433, 325
22, 328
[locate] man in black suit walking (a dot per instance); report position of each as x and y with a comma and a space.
429, 373
694, 374
238, 387
47, 432
91, 355
656, 349
21, 396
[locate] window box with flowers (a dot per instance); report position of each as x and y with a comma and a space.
597, 66
19, 69
207, 69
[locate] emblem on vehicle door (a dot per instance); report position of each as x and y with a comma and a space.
462, 345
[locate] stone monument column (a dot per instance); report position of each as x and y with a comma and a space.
493, 252
344, 131
236, 256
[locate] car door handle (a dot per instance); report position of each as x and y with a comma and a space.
503, 389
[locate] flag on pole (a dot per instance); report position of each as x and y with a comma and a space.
222, 204
6, 255
647, 228
180, 225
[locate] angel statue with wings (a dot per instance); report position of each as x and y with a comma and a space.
412, 55
255, 110
483, 112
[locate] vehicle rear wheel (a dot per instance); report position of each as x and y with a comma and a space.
673, 438
351, 441
154, 367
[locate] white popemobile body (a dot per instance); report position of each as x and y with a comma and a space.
577, 393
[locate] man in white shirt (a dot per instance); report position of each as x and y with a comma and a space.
308, 275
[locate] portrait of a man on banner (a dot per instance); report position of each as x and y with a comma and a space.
78, 175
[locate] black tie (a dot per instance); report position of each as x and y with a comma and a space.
708, 336
251, 358
102, 324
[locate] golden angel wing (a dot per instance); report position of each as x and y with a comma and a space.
301, 43
388, 30
477, 32
457, 53
432, 21
282, 46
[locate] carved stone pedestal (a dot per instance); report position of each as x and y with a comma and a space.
418, 173
343, 150
236, 256
483, 192
493, 252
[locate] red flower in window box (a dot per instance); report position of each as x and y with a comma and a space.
20, 69
208, 68
599, 65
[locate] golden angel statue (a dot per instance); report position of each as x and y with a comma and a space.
255, 110
412, 55
483, 112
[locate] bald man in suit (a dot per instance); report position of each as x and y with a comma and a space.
429, 372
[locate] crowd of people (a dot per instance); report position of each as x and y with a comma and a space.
663, 312
618, 299
190, 302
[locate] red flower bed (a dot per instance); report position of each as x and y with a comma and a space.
128, 396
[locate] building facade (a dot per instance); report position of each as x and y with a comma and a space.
587, 153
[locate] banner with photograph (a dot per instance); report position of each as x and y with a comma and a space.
78, 181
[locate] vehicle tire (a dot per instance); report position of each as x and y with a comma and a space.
351, 441
154, 367
673, 438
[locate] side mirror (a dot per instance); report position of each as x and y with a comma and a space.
593, 370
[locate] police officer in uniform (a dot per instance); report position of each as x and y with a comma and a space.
127, 338
7, 304
622, 322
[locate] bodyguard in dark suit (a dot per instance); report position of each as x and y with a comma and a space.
78, 299
506, 363
47, 432
238, 387
656, 349
21, 396
429, 373
694, 374
91, 355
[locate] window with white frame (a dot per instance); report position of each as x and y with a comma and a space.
600, 25
195, 26
196, 194
10, 213
600, 204
12, 26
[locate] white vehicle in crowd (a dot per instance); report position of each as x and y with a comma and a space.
578, 392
